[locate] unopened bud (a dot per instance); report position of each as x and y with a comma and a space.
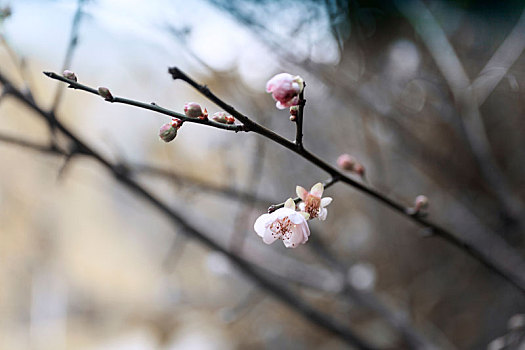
421, 202
293, 118
69, 75
168, 132
193, 110
346, 162
359, 169
223, 117
105, 93
294, 110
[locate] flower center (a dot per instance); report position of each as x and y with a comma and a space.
281, 228
312, 205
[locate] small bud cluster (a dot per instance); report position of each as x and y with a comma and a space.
294, 110
348, 163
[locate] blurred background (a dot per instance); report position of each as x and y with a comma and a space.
427, 95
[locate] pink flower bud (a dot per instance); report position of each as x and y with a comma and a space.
222, 117
285, 89
168, 132
293, 118
105, 93
421, 202
294, 110
69, 75
193, 110
346, 162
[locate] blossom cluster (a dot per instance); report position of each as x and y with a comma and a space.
290, 225
192, 110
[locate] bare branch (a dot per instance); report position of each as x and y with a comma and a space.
517, 278
446, 59
299, 120
151, 106
498, 65
73, 42
278, 290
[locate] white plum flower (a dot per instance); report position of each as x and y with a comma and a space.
286, 224
312, 203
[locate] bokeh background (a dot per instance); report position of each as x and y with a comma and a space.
86, 264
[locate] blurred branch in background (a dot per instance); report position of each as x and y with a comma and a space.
467, 98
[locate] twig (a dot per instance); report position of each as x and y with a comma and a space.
32, 145
151, 106
228, 192
299, 120
450, 66
517, 279
498, 65
326, 184
73, 41
276, 289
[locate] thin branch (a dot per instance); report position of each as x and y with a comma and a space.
278, 290
498, 65
299, 120
151, 106
32, 145
73, 41
326, 184
450, 66
228, 192
514, 277
19, 63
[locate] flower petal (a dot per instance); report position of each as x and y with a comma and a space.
290, 204
322, 214
301, 192
326, 201
269, 237
317, 190
296, 237
305, 214
279, 105
260, 224
297, 218
306, 233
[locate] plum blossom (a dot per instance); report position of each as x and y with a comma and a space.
286, 224
285, 89
312, 203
